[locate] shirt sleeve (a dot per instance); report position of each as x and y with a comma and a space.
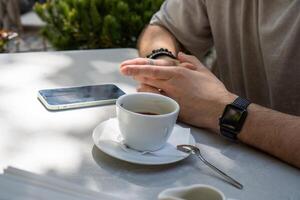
187, 20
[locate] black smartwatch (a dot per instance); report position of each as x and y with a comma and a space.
233, 118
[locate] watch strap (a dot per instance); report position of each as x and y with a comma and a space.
228, 134
241, 103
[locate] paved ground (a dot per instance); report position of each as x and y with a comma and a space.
30, 40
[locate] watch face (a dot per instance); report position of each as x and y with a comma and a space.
233, 117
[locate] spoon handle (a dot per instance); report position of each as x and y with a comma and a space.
228, 178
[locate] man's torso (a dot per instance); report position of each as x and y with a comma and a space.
257, 45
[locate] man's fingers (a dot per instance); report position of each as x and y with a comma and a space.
184, 58
138, 61
147, 61
156, 72
147, 88
156, 83
188, 66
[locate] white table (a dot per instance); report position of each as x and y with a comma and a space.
59, 144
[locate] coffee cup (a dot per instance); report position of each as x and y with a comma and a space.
146, 120
193, 192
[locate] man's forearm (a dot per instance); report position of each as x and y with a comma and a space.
156, 37
268, 130
273, 132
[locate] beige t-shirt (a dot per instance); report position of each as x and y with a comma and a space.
257, 44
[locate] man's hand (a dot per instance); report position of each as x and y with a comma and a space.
161, 61
202, 97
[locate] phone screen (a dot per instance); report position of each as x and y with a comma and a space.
82, 94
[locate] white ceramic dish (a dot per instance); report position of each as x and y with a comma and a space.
102, 133
193, 192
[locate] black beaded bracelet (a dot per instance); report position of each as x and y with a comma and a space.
161, 52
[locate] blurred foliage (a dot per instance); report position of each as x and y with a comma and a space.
90, 24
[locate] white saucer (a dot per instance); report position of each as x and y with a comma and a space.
104, 136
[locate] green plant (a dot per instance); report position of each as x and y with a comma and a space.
2, 45
89, 24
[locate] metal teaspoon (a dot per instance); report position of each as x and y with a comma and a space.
196, 151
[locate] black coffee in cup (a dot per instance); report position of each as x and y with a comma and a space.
148, 113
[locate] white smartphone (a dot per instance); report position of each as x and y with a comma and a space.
77, 97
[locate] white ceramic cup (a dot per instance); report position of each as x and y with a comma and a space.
145, 132
193, 192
